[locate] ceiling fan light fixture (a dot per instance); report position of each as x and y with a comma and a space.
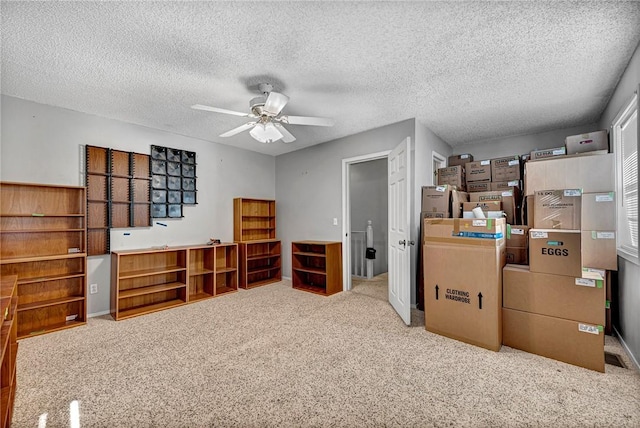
265, 133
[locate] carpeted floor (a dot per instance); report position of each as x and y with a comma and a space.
274, 356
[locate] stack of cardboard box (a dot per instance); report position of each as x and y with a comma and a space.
555, 307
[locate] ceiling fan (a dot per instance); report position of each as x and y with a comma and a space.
266, 110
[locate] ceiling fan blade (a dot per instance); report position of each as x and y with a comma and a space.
239, 129
305, 120
220, 110
275, 103
287, 137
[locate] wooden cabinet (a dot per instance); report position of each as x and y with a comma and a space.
260, 262
254, 219
149, 280
42, 242
8, 346
317, 266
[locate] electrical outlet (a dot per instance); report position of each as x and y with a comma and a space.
93, 288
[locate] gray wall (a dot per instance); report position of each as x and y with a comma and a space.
44, 144
369, 189
628, 297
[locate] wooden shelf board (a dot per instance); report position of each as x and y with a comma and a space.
103, 174
262, 257
311, 288
306, 254
226, 269
42, 258
49, 278
224, 290
262, 269
317, 271
258, 216
51, 328
89, 229
51, 302
141, 310
195, 272
141, 291
263, 282
199, 296
149, 272
261, 241
248, 229
41, 230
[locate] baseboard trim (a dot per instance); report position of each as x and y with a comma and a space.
626, 348
287, 278
98, 314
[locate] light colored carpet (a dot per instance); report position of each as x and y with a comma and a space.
274, 356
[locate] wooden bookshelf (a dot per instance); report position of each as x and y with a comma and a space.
8, 346
254, 219
42, 243
260, 262
150, 280
317, 266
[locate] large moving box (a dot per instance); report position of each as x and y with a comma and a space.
599, 249
436, 199
557, 209
507, 197
598, 211
505, 169
573, 342
518, 245
461, 159
594, 173
478, 171
589, 142
560, 296
547, 153
555, 251
464, 303
453, 176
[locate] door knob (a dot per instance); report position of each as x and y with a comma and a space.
403, 242
412, 242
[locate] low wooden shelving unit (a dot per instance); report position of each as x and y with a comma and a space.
150, 280
317, 266
8, 347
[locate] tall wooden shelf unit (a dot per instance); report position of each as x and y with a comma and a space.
254, 229
42, 242
8, 347
317, 266
150, 280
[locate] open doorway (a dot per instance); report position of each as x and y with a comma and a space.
365, 199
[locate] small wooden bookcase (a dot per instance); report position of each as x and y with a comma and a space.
317, 266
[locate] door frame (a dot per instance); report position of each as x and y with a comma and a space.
346, 211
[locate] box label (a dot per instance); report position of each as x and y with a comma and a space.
441, 188
517, 231
593, 273
586, 328
559, 151
537, 234
481, 223
485, 162
513, 183
457, 296
572, 192
514, 162
604, 198
585, 282
603, 235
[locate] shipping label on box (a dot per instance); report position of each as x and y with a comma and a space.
478, 186
436, 199
557, 209
453, 175
518, 236
461, 159
505, 169
507, 197
478, 171
599, 249
555, 251
598, 211
548, 153
592, 141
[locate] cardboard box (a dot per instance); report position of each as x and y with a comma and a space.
453, 176
479, 186
507, 197
573, 342
598, 211
436, 199
557, 209
505, 169
560, 296
505, 185
547, 153
478, 171
461, 159
592, 141
457, 198
555, 251
464, 304
461, 229
599, 249
527, 210
485, 205
427, 214
518, 236
589, 173
517, 255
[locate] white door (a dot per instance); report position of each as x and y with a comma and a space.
399, 237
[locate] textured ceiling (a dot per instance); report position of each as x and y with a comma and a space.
470, 71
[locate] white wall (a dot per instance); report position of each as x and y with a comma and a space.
628, 298
44, 144
369, 191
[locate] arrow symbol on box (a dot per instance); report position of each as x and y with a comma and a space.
437, 291
480, 300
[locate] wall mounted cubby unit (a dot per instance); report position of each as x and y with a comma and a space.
42, 242
118, 194
254, 219
317, 266
260, 262
173, 181
149, 280
8, 346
